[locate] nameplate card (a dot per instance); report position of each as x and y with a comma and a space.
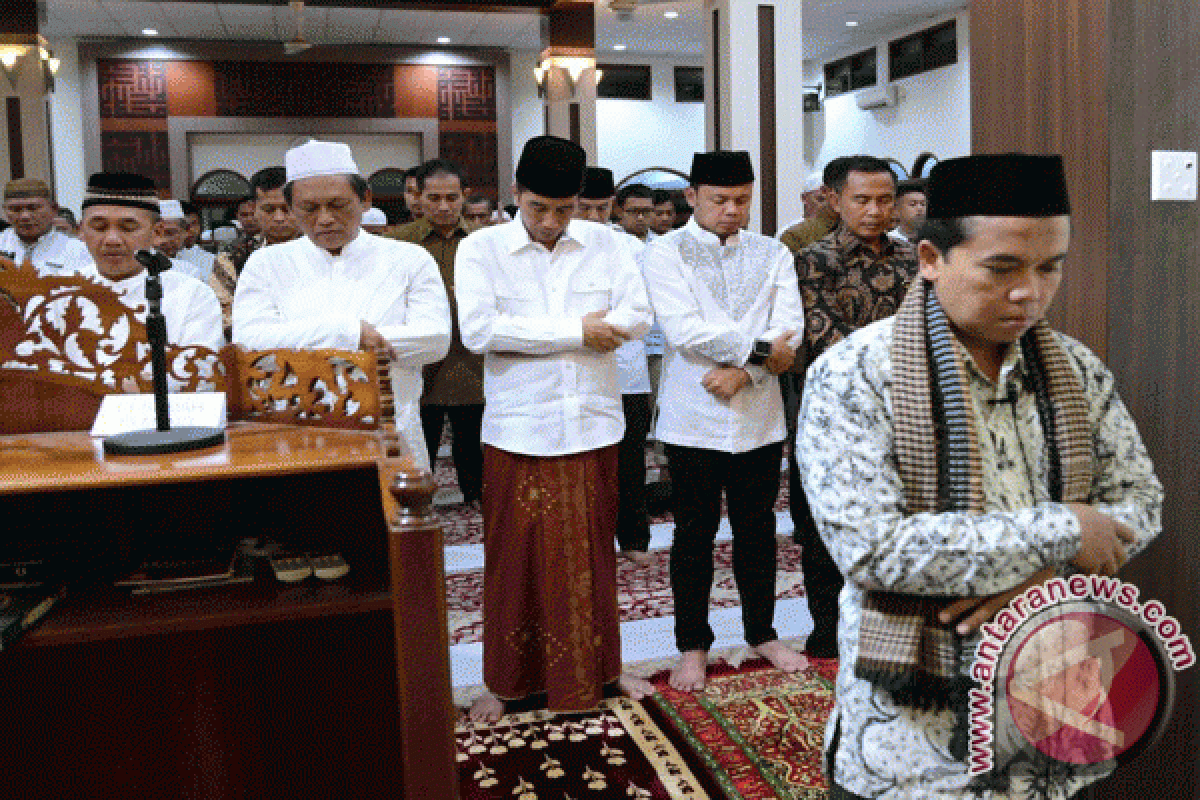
126, 413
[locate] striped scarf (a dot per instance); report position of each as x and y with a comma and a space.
903, 648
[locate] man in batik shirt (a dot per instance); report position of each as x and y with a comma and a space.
848, 279
963, 449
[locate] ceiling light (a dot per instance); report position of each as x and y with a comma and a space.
443, 40
618, 47
149, 32
851, 23
671, 14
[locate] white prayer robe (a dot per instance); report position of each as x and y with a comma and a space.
196, 261
522, 306
190, 308
297, 295
54, 253
713, 301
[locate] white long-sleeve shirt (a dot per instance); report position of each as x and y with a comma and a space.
297, 295
189, 307
197, 262
713, 301
522, 306
54, 253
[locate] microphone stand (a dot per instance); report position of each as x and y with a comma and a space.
164, 439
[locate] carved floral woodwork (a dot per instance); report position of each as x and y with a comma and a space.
75, 325
334, 388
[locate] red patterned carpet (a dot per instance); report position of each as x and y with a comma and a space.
642, 592
617, 751
758, 731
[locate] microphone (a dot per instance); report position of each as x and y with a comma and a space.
154, 261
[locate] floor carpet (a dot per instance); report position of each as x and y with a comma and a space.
758, 731
616, 751
643, 592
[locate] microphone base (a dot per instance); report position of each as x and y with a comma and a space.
176, 440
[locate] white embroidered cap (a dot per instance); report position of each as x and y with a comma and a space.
319, 158
170, 209
812, 182
373, 216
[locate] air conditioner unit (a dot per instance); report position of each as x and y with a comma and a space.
877, 97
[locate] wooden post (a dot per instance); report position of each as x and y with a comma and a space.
422, 643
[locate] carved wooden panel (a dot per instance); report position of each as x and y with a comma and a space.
132, 89
331, 388
466, 93
303, 89
143, 152
74, 325
475, 154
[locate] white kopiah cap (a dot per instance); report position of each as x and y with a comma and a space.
170, 209
373, 216
812, 182
319, 158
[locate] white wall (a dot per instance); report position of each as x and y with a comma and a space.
247, 153
528, 119
66, 127
934, 111
630, 134
635, 134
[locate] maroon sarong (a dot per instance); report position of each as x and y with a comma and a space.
550, 576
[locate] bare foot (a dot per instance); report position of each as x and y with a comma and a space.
635, 687
640, 558
486, 709
689, 675
784, 658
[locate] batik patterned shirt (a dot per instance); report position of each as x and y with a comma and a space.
848, 462
846, 285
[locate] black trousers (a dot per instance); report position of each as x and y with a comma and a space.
633, 526
823, 580
465, 425
751, 483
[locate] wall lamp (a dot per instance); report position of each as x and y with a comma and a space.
14, 47
572, 61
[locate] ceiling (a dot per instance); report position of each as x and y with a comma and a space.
645, 30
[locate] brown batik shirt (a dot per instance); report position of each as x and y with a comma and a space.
456, 380
846, 285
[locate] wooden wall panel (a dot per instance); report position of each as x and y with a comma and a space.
1039, 84
1103, 82
190, 91
416, 91
1154, 337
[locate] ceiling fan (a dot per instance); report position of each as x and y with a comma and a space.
297, 44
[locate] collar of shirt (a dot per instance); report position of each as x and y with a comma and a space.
356, 247
517, 238
851, 242
425, 230
708, 237
1012, 367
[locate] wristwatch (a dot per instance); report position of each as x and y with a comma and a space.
759, 353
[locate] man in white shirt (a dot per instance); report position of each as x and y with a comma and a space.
191, 251
728, 303
341, 287
909, 210
30, 210
594, 203
547, 300
119, 215
170, 233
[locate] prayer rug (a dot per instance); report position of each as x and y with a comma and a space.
615, 751
758, 731
642, 592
